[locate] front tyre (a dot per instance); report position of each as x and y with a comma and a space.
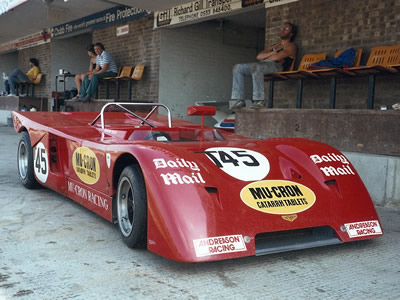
132, 207
25, 162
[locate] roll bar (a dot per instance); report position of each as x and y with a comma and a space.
144, 120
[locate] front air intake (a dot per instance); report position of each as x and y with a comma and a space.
283, 241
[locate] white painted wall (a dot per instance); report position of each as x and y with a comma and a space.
69, 54
196, 62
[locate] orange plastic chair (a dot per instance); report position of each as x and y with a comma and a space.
137, 75
335, 72
301, 73
394, 57
138, 72
378, 62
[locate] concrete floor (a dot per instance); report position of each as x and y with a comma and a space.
52, 248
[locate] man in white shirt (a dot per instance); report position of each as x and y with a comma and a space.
105, 67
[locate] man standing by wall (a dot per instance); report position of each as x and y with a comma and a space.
274, 58
105, 67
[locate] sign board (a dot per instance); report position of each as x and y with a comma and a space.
99, 20
7, 5
202, 9
29, 41
123, 30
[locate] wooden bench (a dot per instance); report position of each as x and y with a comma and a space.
27, 84
333, 74
382, 60
300, 74
126, 73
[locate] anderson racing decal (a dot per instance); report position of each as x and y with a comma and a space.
333, 164
41, 162
219, 245
279, 197
179, 164
242, 164
86, 165
363, 228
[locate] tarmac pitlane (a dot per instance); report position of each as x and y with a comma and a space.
53, 248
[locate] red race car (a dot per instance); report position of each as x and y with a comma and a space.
193, 193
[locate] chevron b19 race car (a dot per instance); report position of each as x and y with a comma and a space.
192, 193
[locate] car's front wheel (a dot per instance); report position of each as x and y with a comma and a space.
25, 161
132, 207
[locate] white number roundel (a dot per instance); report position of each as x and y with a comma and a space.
242, 164
41, 162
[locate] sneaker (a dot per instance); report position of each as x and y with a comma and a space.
257, 104
239, 104
12, 95
396, 106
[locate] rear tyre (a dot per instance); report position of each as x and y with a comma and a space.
25, 162
132, 207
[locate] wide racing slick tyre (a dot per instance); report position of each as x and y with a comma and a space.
25, 162
132, 207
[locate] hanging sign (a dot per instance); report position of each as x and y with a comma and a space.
201, 9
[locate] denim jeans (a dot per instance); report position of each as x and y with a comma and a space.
89, 87
14, 77
256, 71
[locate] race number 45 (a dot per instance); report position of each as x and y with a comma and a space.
242, 164
41, 162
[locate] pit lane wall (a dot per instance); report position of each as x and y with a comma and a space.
369, 138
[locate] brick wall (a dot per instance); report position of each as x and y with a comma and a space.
197, 61
42, 53
326, 25
140, 46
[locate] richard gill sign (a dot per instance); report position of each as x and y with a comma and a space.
206, 9
102, 19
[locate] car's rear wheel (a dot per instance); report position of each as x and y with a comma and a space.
25, 161
132, 207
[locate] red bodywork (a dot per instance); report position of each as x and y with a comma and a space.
211, 195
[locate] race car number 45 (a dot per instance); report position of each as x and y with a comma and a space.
41, 163
242, 164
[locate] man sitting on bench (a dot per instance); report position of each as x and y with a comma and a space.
17, 75
274, 58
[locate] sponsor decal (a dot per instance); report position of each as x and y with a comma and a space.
365, 228
87, 195
279, 197
86, 165
330, 163
219, 245
179, 164
41, 162
290, 218
242, 164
